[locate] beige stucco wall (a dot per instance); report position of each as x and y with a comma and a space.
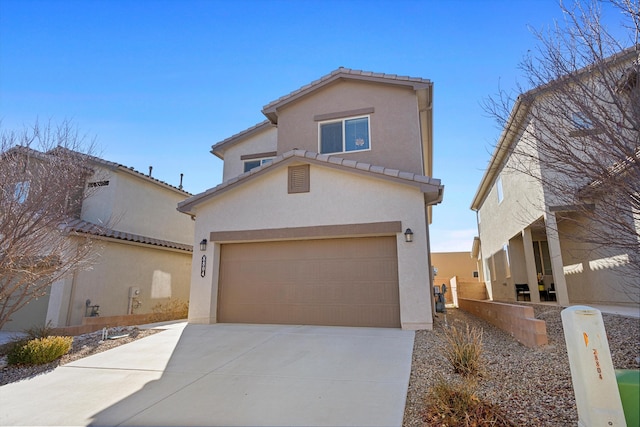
261, 142
458, 265
602, 277
134, 205
395, 133
451, 264
159, 273
502, 223
336, 197
33, 315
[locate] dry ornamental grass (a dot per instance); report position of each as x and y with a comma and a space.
521, 386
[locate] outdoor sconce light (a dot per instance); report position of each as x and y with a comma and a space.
203, 245
408, 235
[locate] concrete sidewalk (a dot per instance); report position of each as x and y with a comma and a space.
226, 374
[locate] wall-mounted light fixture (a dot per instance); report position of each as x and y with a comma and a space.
408, 235
203, 245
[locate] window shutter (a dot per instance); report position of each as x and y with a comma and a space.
299, 179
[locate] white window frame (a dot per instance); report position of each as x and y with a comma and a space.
344, 142
262, 160
499, 189
21, 191
580, 122
507, 261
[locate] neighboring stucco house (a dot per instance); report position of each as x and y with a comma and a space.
142, 250
459, 272
527, 228
309, 223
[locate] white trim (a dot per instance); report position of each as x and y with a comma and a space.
262, 161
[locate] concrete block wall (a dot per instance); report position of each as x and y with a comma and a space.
517, 320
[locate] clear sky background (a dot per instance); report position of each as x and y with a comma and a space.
159, 82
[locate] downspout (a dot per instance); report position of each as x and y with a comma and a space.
429, 266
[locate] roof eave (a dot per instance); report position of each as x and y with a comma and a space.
507, 137
427, 185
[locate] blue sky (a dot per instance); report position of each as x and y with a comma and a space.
158, 82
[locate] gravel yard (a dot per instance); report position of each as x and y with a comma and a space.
83, 346
531, 386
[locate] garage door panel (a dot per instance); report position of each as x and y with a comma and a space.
351, 282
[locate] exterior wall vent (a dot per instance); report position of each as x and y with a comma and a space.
299, 179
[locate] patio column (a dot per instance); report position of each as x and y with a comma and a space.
557, 265
530, 264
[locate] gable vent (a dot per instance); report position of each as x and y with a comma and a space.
299, 179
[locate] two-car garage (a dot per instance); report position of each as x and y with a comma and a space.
338, 282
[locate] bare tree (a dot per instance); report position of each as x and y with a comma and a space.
581, 101
42, 185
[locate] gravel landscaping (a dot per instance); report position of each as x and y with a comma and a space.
83, 346
532, 387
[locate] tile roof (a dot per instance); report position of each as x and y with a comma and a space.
84, 227
427, 184
113, 166
266, 124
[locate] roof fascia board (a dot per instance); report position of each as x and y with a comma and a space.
521, 108
507, 137
424, 184
151, 180
132, 243
270, 110
218, 148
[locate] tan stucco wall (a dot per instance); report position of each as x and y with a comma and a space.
603, 277
500, 222
455, 264
451, 264
158, 273
261, 142
336, 197
134, 205
30, 316
395, 133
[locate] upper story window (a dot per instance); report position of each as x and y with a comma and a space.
581, 122
21, 191
499, 190
254, 163
339, 136
507, 262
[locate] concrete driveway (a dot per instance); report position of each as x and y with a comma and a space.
226, 374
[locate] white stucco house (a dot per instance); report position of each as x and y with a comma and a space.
532, 234
323, 213
142, 250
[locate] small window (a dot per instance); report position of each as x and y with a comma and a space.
507, 263
21, 191
344, 135
487, 270
499, 189
581, 122
493, 267
299, 181
252, 164
475, 274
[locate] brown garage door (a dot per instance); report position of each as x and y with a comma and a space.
341, 282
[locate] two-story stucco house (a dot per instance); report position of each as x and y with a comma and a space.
323, 213
532, 234
142, 250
